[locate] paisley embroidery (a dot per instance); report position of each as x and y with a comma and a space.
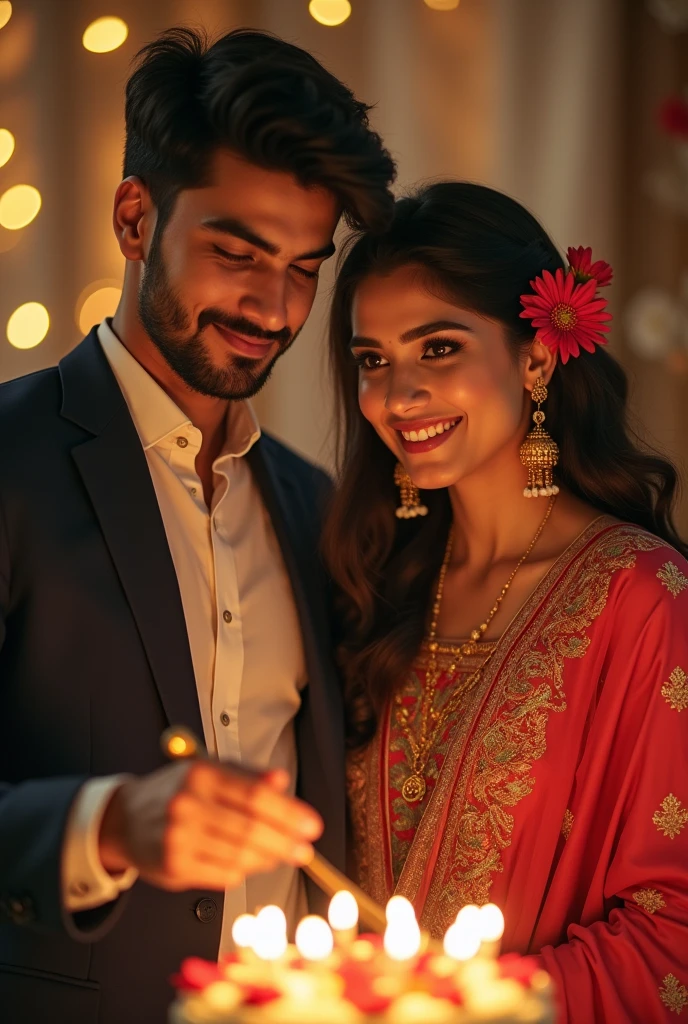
672, 578
671, 818
649, 899
673, 994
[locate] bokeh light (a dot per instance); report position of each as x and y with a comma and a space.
96, 301
330, 12
18, 206
6, 146
5, 12
443, 5
105, 34
28, 325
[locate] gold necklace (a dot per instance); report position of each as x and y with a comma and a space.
432, 720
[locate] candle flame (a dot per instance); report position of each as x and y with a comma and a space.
402, 939
460, 943
313, 938
399, 909
244, 930
343, 911
491, 922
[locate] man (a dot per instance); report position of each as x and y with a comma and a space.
158, 557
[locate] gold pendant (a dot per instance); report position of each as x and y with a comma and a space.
413, 789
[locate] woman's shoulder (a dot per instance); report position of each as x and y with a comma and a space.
641, 567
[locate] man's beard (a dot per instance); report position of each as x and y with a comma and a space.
168, 326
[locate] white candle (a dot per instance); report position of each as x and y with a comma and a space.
343, 917
269, 940
314, 939
491, 924
243, 932
461, 942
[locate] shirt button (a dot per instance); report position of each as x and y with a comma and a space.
227, 616
182, 442
224, 718
79, 888
192, 490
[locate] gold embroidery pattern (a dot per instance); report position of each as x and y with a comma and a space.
672, 817
673, 994
567, 824
510, 734
649, 899
356, 778
675, 692
672, 578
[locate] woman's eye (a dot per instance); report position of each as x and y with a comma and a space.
370, 361
440, 349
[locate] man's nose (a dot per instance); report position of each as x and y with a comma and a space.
266, 301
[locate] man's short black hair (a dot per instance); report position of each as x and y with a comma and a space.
268, 101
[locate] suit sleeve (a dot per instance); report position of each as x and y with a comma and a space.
33, 821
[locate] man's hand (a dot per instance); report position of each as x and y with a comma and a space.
203, 825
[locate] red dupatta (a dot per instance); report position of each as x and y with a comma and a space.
562, 794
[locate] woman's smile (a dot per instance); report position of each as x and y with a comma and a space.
419, 436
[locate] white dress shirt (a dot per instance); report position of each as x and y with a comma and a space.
241, 620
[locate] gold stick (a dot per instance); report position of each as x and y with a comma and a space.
178, 743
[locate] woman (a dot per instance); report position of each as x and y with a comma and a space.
517, 667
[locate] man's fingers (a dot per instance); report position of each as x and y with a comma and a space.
234, 827
255, 799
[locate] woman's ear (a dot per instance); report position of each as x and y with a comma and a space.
541, 362
133, 218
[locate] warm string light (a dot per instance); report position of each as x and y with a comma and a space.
330, 12
442, 5
6, 146
28, 325
19, 205
105, 34
97, 301
5, 12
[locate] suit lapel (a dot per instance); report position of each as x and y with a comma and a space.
115, 473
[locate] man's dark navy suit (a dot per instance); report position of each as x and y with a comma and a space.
95, 664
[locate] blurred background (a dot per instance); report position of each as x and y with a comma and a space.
579, 110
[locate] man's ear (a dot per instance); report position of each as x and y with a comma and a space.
541, 362
133, 218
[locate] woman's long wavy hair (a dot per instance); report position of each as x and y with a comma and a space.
480, 249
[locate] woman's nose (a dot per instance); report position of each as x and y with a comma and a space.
405, 395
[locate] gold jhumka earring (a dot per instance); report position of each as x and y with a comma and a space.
410, 499
539, 453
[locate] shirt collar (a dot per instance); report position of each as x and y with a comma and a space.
154, 413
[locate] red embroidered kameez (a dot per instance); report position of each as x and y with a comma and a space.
559, 789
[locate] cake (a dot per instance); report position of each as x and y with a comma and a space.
361, 980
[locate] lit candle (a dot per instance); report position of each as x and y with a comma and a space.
402, 939
491, 924
343, 917
461, 943
399, 909
269, 941
243, 932
314, 939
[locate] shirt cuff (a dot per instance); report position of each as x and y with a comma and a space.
85, 882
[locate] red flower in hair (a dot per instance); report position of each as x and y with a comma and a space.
673, 117
580, 262
567, 316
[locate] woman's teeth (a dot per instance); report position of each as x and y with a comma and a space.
423, 435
